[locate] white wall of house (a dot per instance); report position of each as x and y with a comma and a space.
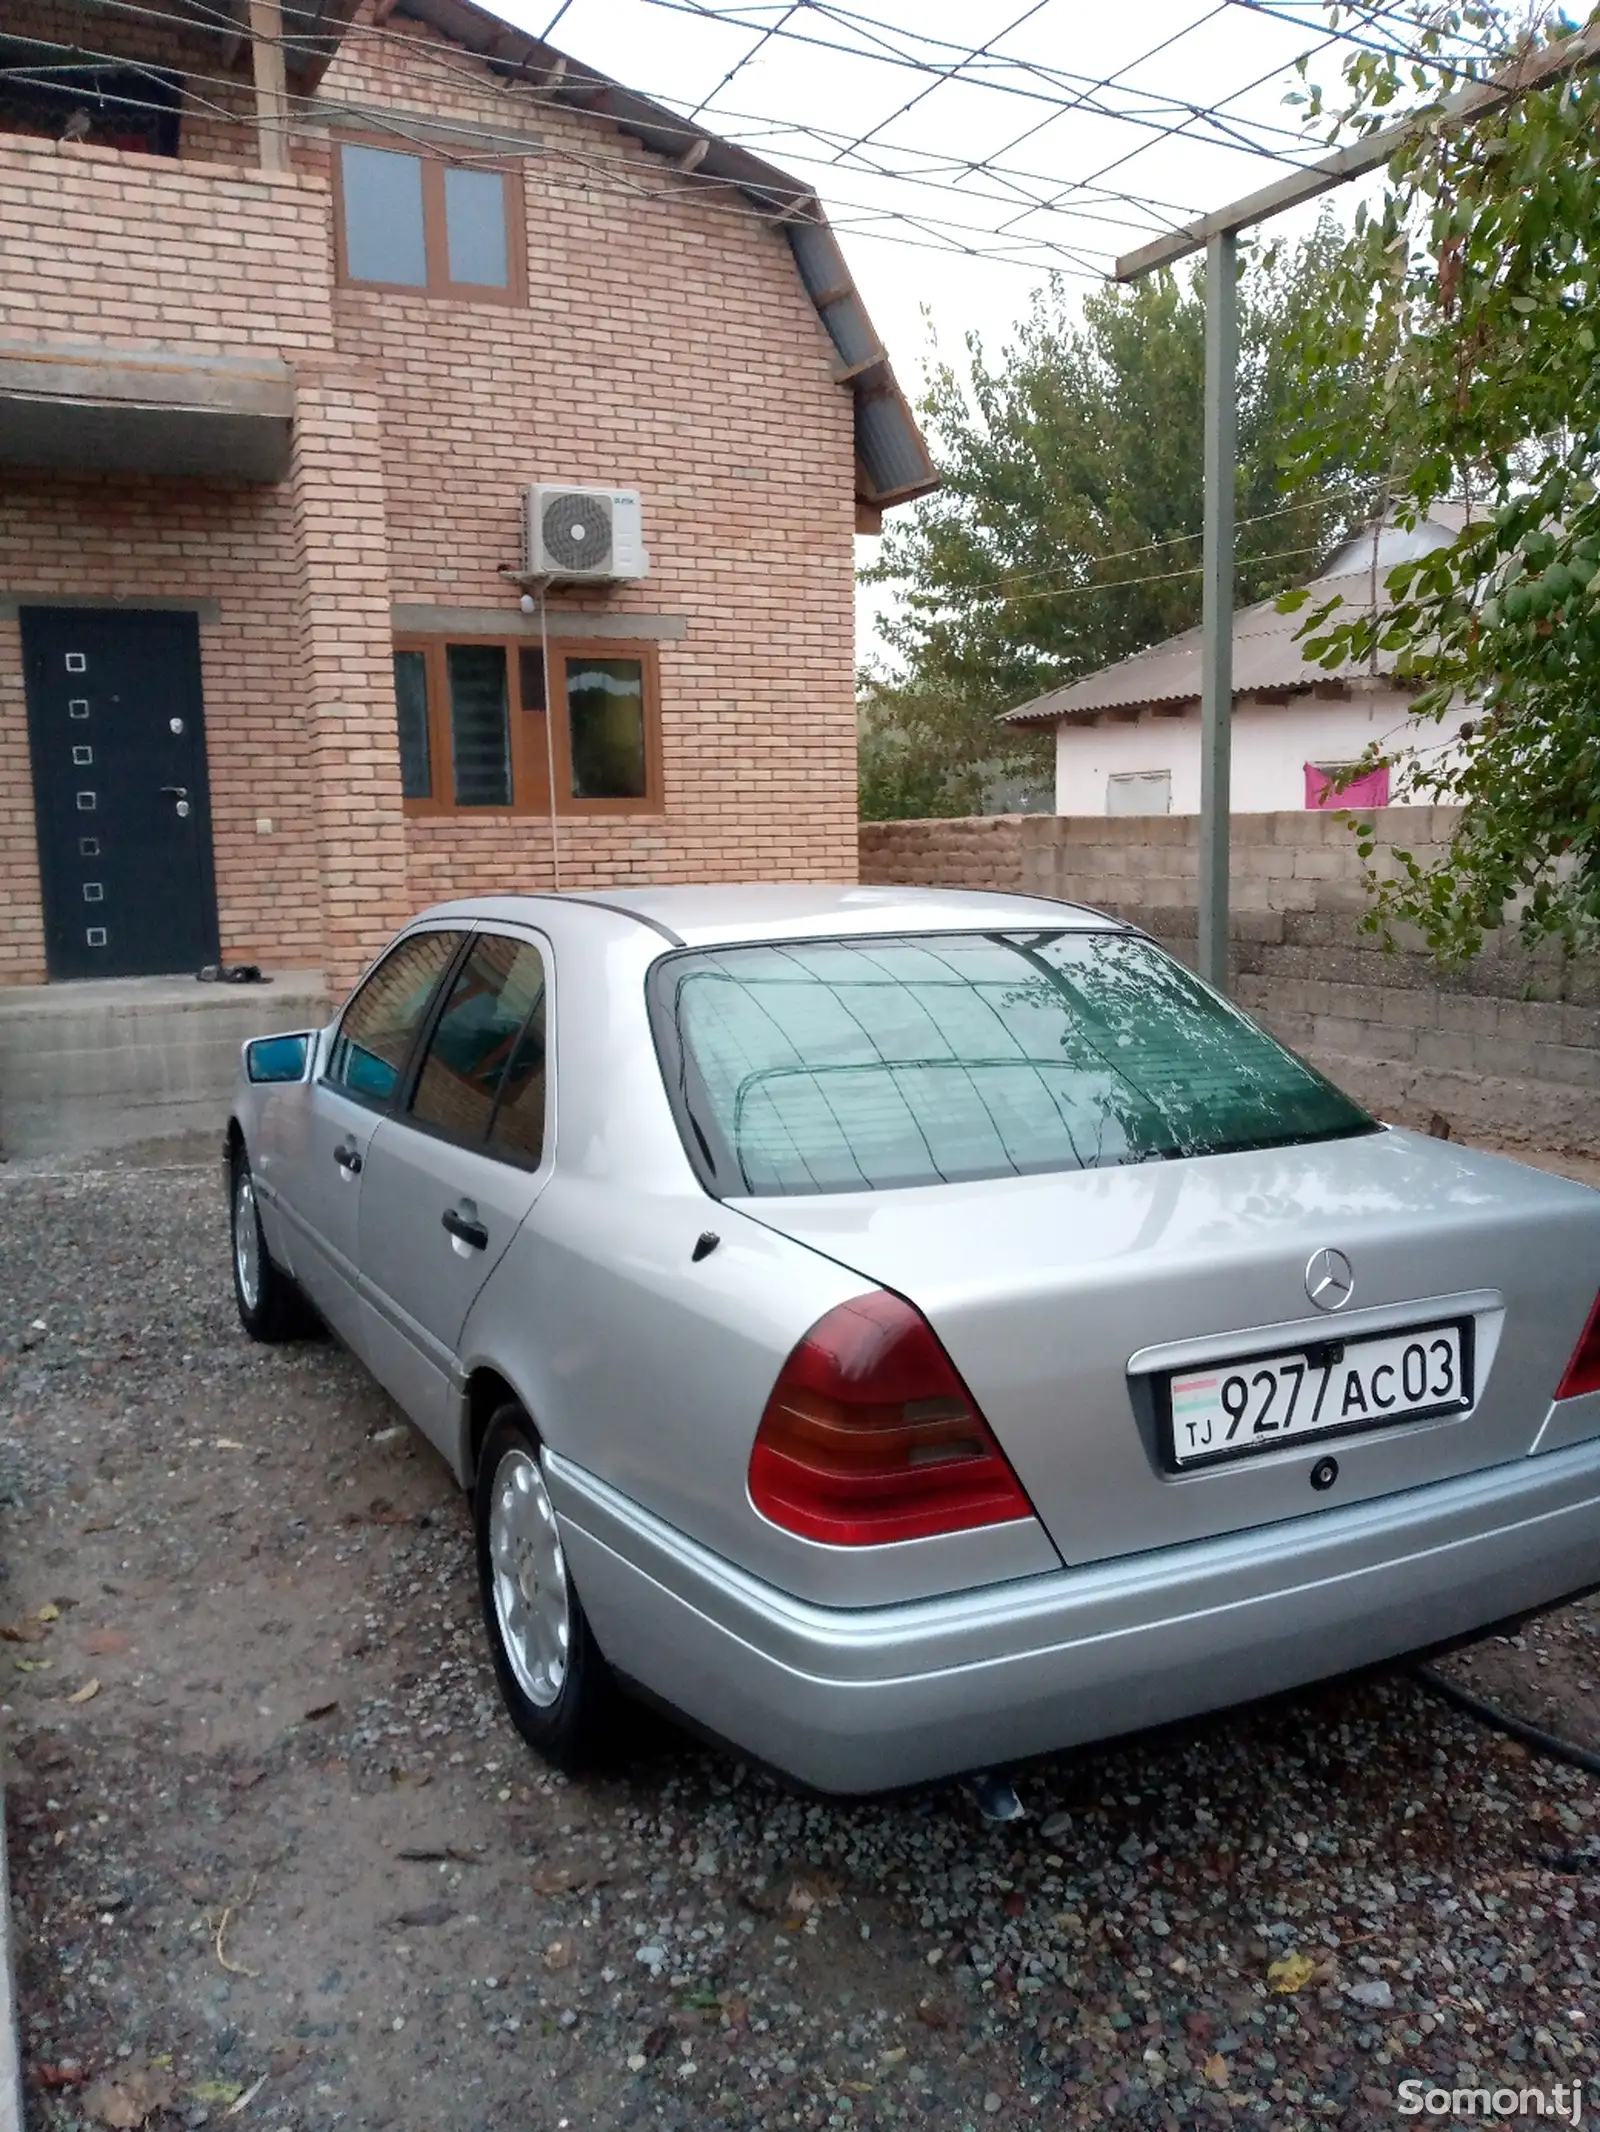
1272, 743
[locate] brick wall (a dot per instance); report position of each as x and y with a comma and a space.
123, 541
216, 101
138, 251
1506, 1049
666, 344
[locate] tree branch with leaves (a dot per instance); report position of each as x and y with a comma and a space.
1066, 534
1476, 280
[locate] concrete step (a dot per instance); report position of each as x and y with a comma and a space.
112, 1061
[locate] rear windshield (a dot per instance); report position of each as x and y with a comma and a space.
868, 1065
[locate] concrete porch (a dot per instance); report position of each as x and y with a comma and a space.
108, 1062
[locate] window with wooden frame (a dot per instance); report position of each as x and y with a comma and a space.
471, 712
422, 225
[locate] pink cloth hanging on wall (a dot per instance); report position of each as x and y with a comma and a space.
1370, 790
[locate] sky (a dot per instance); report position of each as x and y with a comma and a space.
1079, 130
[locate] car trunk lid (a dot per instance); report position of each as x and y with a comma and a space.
1067, 1300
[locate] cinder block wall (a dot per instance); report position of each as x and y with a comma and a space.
1507, 1049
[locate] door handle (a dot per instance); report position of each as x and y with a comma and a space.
349, 1159
465, 1230
177, 792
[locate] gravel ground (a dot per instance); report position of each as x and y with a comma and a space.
278, 1857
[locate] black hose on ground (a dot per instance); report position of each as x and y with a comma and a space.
1516, 1728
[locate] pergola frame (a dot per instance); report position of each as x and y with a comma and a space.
1218, 236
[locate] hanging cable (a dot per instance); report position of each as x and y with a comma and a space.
1175, 540
1550, 1744
739, 65
968, 59
549, 739
862, 37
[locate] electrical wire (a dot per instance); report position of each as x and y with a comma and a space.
1367, 44
1550, 1744
606, 172
1106, 82
945, 233
1087, 201
926, 231
971, 58
1119, 584
1176, 133
1078, 99
943, 164
755, 50
1052, 80
1174, 540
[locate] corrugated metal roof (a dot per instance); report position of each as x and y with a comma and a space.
1398, 544
1266, 653
893, 463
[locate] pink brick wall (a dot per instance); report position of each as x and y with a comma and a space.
666, 344
217, 100
137, 251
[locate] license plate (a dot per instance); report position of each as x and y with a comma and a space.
1326, 1388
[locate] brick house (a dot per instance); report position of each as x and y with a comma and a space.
295, 308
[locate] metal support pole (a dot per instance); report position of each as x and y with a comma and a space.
272, 88
1216, 659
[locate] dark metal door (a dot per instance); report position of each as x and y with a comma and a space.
117, 732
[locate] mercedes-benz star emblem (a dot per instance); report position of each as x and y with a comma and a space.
1329, 1281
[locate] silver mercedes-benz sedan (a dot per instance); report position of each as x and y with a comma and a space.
907, 1331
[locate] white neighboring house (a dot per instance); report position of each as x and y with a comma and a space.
1128, 737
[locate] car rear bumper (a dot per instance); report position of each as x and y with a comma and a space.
860, 1699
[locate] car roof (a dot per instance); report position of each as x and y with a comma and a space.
724, 912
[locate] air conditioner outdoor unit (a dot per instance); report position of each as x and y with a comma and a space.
583, 534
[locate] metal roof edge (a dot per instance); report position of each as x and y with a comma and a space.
1050, 708
313, 30
893, 463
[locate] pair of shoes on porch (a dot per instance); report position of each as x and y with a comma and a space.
231, 973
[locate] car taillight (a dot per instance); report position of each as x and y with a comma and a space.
870, 1435
1583, 1371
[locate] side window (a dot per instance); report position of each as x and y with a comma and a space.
482, 1080
384, 236
1139, 792
606, 728
417, 222
381, 1022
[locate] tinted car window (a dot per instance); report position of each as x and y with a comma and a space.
488, 1048
381, 1022
860, 1065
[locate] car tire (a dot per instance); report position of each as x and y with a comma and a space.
560, 1692
271, 1307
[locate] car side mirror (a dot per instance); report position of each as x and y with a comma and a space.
278, 1058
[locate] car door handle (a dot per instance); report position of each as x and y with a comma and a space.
348, 1158
465, 1230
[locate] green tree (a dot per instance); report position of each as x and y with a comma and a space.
1476, 280
920, 753
1066, 534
